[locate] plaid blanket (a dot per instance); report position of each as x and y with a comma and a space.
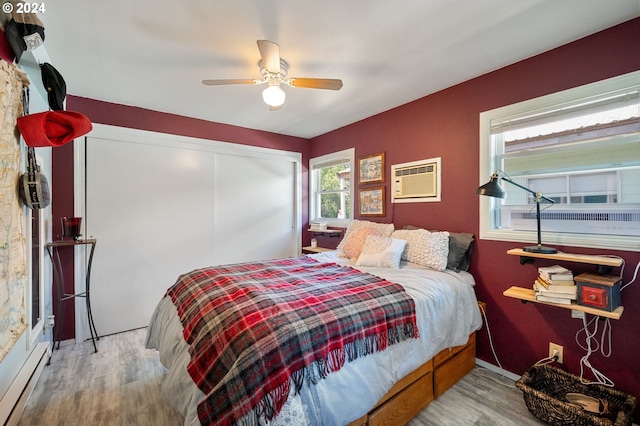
256, 329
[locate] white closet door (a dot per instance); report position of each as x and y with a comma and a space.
161, 208
254, 208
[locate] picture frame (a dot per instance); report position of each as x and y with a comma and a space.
372, 201
371, 168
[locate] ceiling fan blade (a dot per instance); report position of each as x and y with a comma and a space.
230, 81
270, 53
316, 83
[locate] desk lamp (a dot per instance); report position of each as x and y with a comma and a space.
493, 189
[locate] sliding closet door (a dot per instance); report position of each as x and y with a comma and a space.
161, 205
254, 209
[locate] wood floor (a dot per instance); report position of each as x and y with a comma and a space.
120, 385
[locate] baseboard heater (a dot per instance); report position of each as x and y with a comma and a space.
609, 223
13, 402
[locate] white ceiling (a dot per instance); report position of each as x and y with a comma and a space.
155, 53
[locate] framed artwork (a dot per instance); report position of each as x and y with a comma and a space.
372, 201
371, 168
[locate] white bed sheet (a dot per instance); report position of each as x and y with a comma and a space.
446, 313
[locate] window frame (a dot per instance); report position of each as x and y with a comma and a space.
487, 167
347, 154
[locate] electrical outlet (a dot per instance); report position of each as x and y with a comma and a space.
50, 321
553, 347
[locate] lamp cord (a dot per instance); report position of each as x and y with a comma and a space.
635, 275
546, 360
510, 383
486, 323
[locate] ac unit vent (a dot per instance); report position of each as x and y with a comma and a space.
601, 222
417, 181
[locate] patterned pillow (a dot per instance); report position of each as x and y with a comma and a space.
430, 249
385, 229
354, 243
381, 251
460, 246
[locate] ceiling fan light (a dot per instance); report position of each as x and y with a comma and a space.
273, 96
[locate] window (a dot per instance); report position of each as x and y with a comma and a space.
579, 147
578, 188
331, 188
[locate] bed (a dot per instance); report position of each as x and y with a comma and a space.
389, 384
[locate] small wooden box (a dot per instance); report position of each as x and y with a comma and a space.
598, 291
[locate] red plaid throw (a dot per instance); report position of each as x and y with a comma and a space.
255, 329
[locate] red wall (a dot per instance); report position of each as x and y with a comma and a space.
446, 124
143, 119
62, 205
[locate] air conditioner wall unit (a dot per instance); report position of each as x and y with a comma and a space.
418, 181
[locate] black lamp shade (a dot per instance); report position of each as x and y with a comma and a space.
492, 188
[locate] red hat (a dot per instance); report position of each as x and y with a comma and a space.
53, 128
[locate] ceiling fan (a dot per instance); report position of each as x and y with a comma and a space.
274, 72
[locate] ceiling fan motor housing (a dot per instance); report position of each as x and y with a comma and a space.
274, 78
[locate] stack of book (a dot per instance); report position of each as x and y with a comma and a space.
555, 284
318, 226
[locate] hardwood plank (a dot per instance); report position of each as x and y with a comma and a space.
120, 385
481, 398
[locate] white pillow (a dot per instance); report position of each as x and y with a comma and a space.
430, 249
385, 229
381, 251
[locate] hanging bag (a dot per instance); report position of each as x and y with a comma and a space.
33, 186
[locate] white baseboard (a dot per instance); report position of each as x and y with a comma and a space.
497, 369
13, 402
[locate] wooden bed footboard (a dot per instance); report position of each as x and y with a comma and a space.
416, 390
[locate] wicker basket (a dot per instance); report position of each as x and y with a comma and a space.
545, 388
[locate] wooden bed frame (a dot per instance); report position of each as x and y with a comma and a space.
416, 390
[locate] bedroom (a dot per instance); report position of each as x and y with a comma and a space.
450, 115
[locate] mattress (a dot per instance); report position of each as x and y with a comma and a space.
446, 314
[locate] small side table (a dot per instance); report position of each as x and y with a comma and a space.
53, 249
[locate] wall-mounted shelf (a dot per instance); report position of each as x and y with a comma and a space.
309, 249
329, 232
568, 257
528, 295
